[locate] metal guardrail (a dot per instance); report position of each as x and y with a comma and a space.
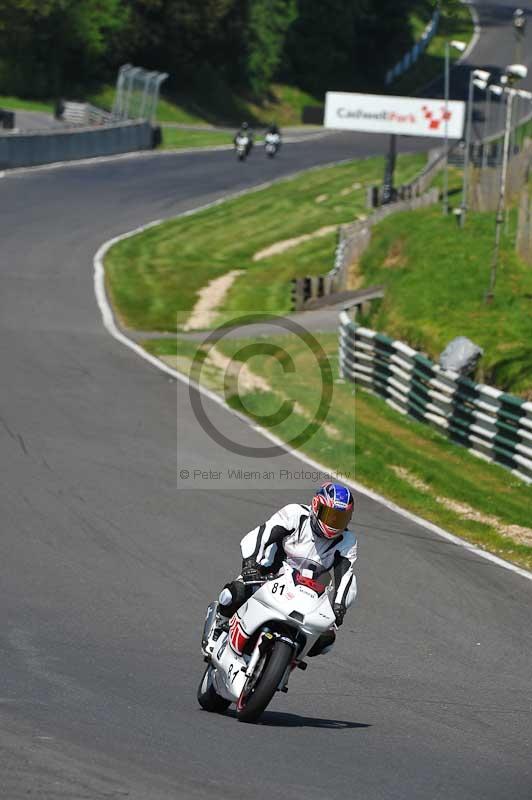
83, 114
31, 149
353, 239
492, 424
416, 51
7, 119
313, 292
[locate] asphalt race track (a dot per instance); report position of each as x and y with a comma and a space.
106, 568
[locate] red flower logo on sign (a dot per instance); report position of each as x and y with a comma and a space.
433, 121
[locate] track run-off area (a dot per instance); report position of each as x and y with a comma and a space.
106, 568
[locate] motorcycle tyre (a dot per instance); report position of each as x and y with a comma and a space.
209, 699
282, 654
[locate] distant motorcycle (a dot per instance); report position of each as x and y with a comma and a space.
272, 143
267, 638
242, 146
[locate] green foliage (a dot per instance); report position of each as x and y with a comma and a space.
49, 44
455, 23
268, 22
341, 44
210, 48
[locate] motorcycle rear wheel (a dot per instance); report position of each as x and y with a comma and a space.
208, 698
250, 707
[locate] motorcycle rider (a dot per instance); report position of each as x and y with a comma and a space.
273, 135
318, 533
244, 130
273, 129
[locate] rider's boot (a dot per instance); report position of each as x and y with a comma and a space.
221, 622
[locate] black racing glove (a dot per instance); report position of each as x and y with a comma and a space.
339, 613
250, 571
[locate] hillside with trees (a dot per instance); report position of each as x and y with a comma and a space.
50, 48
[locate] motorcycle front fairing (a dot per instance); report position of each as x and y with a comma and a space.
229, 676
228, 656
280, 600
284, 600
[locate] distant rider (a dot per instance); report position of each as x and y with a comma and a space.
273, 132
245, 130
317, 533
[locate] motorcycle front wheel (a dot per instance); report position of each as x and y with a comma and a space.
208, 698
253, 702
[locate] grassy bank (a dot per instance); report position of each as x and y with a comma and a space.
154, 278
17, 103
406, 461
206, 105
455, 23
178, 139
217, 104
436, 276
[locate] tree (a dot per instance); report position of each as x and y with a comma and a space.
269, 21
48, 46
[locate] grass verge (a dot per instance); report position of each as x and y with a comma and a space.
176, 138
18, 104
410, 463
167, 109
436, 276
210, 103
154, 278
213, 102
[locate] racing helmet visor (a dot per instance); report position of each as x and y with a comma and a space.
336, 518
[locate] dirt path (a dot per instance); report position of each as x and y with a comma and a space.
286, 244
204, 312
516, 532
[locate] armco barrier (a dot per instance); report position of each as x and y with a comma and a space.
418, 49
30, 149
493, 425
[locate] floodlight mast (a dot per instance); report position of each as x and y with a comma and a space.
475, 75
514, 72
460, 46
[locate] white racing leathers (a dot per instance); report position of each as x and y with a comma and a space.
287, 535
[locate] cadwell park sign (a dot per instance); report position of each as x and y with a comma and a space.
404, 116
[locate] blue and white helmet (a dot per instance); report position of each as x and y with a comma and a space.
331, 510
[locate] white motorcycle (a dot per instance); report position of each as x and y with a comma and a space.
242, 146
272, 143
268, 637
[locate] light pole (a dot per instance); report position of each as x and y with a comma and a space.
486, 123
458, 45
514, 72
499, 219
519, 23
504, 83
493, 88
480, 75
